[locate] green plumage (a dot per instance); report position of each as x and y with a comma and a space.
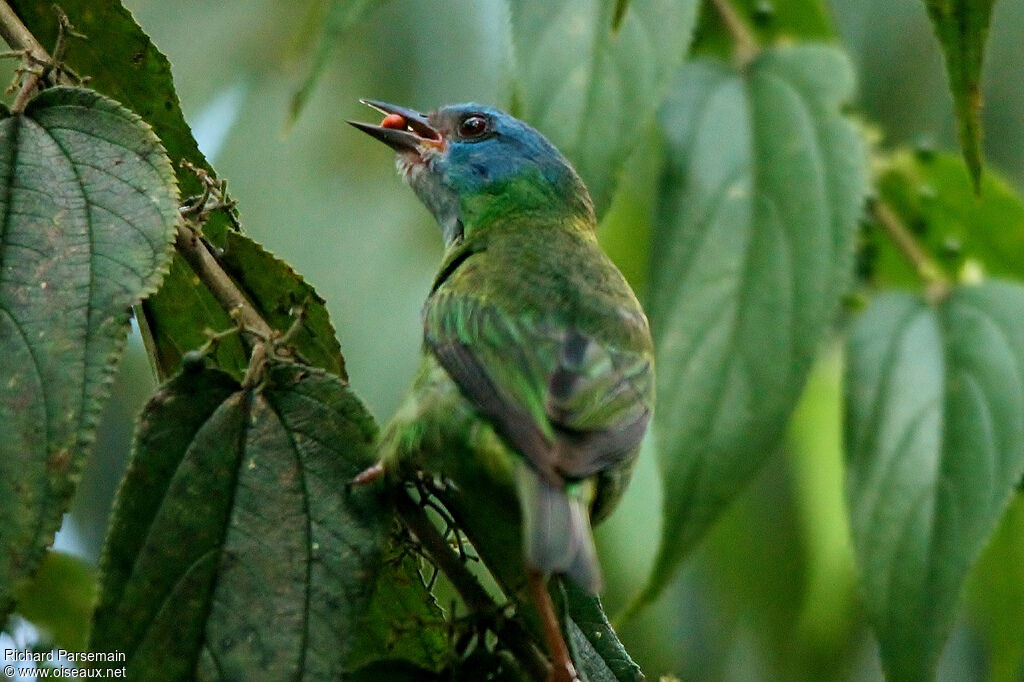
537, 378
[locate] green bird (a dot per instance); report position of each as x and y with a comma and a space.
538, 368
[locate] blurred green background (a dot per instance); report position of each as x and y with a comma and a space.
771, 594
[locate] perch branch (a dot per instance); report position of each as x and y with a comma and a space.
195, 252
469, 588
18, 37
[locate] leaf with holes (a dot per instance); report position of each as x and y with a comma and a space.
237, 550
88, 205
935, 446
592, 85
752, 252
962, 29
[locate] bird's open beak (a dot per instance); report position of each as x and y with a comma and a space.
402, 129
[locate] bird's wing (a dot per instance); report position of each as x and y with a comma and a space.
570, 404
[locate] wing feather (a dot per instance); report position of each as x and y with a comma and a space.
569, 404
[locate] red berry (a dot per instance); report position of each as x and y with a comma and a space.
396, 121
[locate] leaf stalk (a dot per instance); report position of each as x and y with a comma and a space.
937, 285
747, 46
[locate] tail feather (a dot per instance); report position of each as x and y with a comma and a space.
556, 531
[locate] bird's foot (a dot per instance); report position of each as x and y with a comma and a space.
368, 475
562, 669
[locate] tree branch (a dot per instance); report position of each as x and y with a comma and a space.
469, 588
188, 242
195, 252
18, 37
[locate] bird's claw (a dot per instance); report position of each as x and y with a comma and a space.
368, 475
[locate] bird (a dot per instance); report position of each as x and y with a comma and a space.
537, 374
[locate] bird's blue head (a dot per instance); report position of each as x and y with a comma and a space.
473, 166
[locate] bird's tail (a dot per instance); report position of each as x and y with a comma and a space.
556, 530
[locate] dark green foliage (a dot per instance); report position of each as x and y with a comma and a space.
87, 208
403, 621
597, 648
121, 62
281, 295
237, 548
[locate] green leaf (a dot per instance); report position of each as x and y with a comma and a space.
772, 21
122, 62
335, 18
935, 445
596, 648
752, 251
962, 29
932, 194
88, 205
60, 598
278, 293
236, 549
590, 87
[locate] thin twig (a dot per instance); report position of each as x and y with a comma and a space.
18, 37
747, 47
936, 282
509, 631
195, 252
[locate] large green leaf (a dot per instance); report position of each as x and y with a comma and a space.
87, 209
753, 249
932, 194
962, 29
592, 88
935, 446
122, 63
237, 551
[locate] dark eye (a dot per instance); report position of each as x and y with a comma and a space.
473, 126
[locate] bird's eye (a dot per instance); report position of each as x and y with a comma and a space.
473, 126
